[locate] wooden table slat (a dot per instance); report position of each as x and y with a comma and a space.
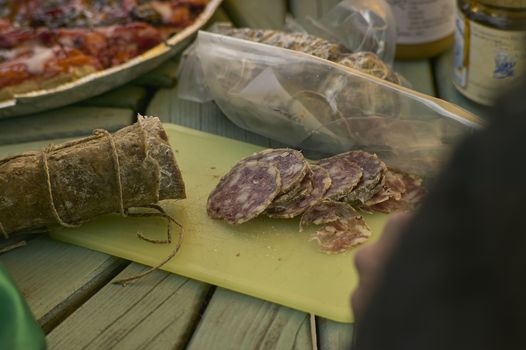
63, 122
157, 312
333, 335
55, 278
235, 321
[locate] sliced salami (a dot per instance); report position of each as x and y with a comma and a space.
321, 181
393, 188
372, 179
413, 194
344, 176
244, 193
415, 190
303, 188
388, 206
341, 235
325, 212
290, 163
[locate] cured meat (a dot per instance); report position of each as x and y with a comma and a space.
372, 178
321, 181
369, 63
343, 227
326, 212
326, 193
245, 192
290, 163
341, 235
413, 194
301, 190
393, 188
366, 62
415, 190
344, 175
72, 182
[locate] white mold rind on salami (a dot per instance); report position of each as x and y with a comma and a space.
245, 192
290, 163
321, 181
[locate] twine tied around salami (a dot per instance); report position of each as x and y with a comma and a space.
282, 184
70, 183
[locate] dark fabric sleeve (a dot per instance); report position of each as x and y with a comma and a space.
458, 277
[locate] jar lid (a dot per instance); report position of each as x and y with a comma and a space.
515, 4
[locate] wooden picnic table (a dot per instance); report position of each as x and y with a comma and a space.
68, 287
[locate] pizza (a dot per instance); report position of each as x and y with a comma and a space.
44, 43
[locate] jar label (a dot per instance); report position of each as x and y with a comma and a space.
423, 21
487, 60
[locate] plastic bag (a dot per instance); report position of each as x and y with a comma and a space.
322, 107
359, 25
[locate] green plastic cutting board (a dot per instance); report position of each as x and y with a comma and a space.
265, 258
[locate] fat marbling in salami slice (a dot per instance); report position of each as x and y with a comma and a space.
321, 181
325, 212
290, 163
245, 192
344, 176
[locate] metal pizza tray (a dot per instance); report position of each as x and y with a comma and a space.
102, 81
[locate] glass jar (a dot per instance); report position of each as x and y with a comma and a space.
490, 47
424, 28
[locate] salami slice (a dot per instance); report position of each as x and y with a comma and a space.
244, 193
393, 188
325, 212
303, 188
321, 181
413, 194
415, 190
290, 163
341, 235
373, 175
344, 176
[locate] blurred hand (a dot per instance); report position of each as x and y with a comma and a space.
371, 259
